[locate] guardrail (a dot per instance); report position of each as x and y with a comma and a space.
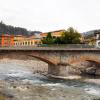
68, 46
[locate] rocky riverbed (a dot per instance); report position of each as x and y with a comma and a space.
22, 80
50, 91
36, 66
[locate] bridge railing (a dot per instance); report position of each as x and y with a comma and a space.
69, 45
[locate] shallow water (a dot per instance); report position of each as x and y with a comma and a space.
24, 85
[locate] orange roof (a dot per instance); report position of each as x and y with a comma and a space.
57, 31
5, 35
43, 34
54, 33
18, 35
32, 36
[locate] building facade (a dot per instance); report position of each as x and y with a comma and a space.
27, 41
6, 40
97, 35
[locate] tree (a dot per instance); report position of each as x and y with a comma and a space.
48, 39
57, 40
71, 36
8, 29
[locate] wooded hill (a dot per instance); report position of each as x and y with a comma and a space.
8, 29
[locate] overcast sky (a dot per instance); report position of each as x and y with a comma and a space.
49, 15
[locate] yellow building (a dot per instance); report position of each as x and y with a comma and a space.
19, 37
27, 41
57, 33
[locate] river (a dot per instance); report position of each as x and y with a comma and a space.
19, 83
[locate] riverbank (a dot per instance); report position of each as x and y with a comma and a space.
93, 81
78, 77
47, 91
35, 66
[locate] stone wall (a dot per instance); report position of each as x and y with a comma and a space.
58, 61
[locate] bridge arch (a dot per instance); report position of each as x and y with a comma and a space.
54, 69
43, 59
87, 66
89, 58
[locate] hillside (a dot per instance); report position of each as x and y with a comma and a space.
8, 29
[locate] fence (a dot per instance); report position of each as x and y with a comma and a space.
52, 46
68, 45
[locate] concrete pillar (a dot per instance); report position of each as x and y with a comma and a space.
58, 70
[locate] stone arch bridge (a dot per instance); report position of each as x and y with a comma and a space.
58, 59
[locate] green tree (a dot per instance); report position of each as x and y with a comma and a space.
48, 39
57, 40
71, 36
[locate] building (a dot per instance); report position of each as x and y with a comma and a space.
97, 35
6, 40
91, 37
57, 33
19, 37
27, 41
